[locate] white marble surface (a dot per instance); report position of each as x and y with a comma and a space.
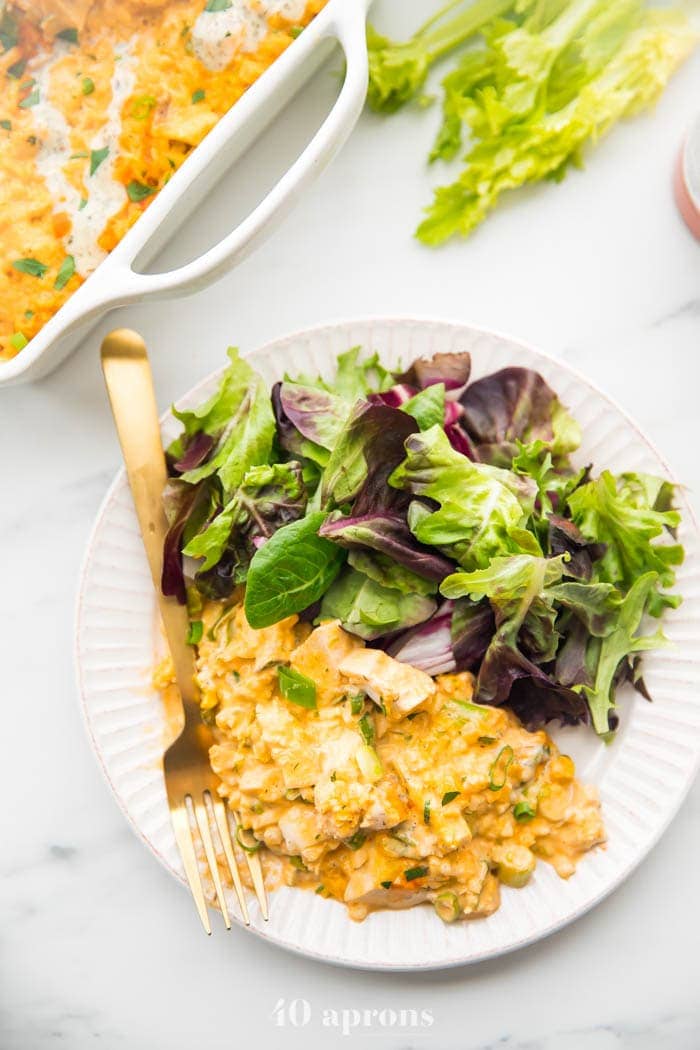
97, 944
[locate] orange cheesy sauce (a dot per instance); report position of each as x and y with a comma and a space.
101, 102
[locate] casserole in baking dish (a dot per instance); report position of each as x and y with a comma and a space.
102, 105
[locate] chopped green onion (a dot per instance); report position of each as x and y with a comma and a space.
28, 314
70, 34
138, 191
356, 703
18, 341
194, 601
9, 31
356, 841
449, 796
496, 785
31, 266
523, 811
297, 863
321, 890
296, 687
65, 272
198, 95
486, 740
32, 99
387, 884
217, 5
295, 31
79, 156
17, 68
447, 906
142, 106
367, 729
247, 840
415, 873
27, 84
426, 811
194, 633
88, 85
96, 158
6, 124
82, 204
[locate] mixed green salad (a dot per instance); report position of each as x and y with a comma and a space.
533, 82
438, 518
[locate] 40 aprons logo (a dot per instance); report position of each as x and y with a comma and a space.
299, 1013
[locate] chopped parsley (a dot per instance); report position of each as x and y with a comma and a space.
198, 95
295, 31
28, 314
415, 873
31, 266
70, 35
32, 99
96, 158
449, 796
356, 841
65, 272
88, 85
217, 5
9, 32
82, 204
386, 884
6, 124
138, 191
17, 69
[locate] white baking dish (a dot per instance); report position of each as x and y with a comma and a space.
116, 281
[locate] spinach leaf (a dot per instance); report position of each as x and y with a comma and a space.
290, 572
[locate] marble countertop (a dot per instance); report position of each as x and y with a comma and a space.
98, 945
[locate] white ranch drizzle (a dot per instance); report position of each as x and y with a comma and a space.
218, 36
105, 196
292, 10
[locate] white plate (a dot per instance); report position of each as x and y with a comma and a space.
642, 777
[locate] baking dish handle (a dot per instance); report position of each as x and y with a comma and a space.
348, 27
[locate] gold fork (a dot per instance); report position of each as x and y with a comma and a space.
191, 784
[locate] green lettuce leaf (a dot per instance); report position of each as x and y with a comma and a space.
239, 416
617, 646
483, 510
369, 609
624, 514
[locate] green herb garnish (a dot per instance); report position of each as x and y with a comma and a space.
217, 5
31, 266
16, 70
356, 703
65, 272
70, 35
415, 873
296, 687
195, 632
498, 771
32, 99
82, 203
449, 796
357, 840
88, 85
97, 156
18, 341
138, 191
367, 729
6, 124
426, 811
198, 95
387, 884
523, 811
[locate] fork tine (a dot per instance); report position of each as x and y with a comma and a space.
183, 834
225, 836
255, 869
202, 818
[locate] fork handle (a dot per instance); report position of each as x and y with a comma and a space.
129, 380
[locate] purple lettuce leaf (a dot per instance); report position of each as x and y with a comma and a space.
196, 451
455, 638
515, 404
451, 369
389, 534
563, 537
186, 507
